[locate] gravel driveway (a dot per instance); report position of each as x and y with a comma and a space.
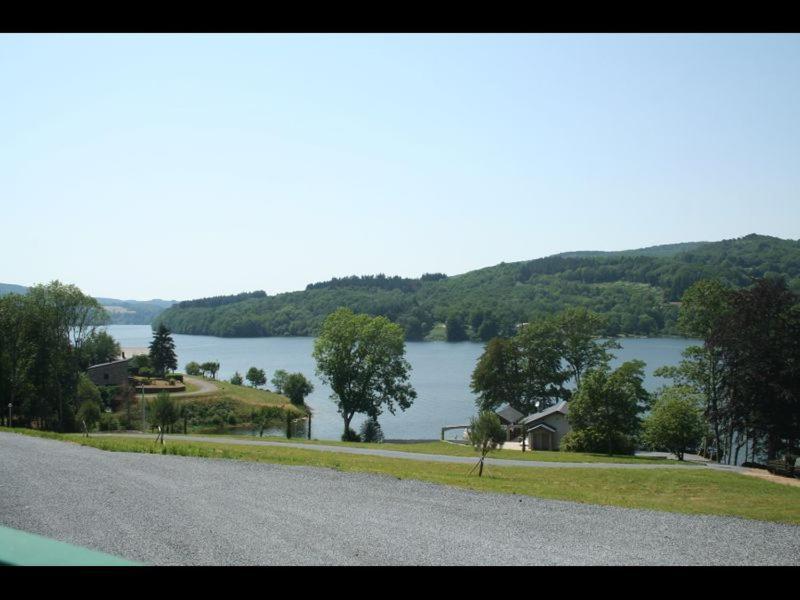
177, 510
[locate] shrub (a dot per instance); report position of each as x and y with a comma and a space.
89, 413
371, 431
585, 441
193, 368
109, 422
350, 436
236, 379
139, 362
676, 422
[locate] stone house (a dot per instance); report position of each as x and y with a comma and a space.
110, 373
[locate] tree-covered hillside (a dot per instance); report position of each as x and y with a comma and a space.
636, 291
123, 312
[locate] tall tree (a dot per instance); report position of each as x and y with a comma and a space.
362, 358
524, 371
578, 332
162, 351
759, 341
604, 413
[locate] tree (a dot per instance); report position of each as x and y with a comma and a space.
210, 367
371, 431
264, 416
236, 379
578, 329
676, 421
455, 329
140, 362
193, 368
757, 339
362, 358
604, 413
279, 380
523, 371
164, 412
162, 351
256, 376
486, 433
99, 347
89, 413
296, 387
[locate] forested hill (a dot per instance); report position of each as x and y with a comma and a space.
636, 290
127, 312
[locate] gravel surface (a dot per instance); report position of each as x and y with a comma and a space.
177, 510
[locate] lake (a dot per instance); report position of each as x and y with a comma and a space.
440, 374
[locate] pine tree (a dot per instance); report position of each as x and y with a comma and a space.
162, 351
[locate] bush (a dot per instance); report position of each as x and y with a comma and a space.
146, 372
236, 379
109, 422
193, 368
371, 431
584, 441
139, 362
173, 377
350, 436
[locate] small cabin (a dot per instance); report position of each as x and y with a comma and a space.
546, 428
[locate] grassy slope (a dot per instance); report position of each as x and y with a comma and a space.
244, 399
693, 491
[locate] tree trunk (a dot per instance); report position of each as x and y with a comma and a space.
347, 424
480, 468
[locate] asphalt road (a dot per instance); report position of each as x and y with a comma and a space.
176, 510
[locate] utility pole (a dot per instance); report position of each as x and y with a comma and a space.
144, 428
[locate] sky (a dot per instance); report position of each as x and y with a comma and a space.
185, 166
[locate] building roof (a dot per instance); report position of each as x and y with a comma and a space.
509, 414
543, 426
113, 362
561, 407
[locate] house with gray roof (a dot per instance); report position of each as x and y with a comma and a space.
546, 427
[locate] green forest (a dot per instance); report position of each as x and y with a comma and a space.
637, 291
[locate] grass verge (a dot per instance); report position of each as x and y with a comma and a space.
449, 449
691, 491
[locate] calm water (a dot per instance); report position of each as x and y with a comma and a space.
440, 374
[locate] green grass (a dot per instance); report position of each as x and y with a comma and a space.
692, 491
450, 449
437, 334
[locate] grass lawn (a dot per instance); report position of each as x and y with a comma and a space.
693, 491
464, 450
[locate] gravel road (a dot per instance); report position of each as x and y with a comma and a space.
177, 510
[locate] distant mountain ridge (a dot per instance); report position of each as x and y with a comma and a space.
636, 290
122, 312
662, 250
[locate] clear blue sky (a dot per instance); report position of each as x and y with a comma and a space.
180, 166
